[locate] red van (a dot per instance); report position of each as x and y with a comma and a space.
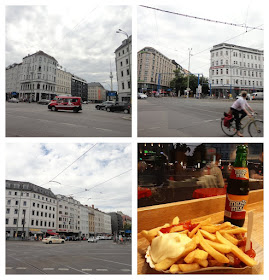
70, 103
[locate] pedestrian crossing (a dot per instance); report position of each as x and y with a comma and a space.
64, 269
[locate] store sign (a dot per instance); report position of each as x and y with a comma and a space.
35, 229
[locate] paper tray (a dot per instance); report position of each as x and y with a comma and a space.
259, 259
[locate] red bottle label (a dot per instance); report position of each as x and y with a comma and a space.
234, 207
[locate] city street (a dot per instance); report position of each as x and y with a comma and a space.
73, 257
34, 120
172, 116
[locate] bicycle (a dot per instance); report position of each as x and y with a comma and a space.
255, 127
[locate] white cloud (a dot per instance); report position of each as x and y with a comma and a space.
172, 35
40, 163
82, 38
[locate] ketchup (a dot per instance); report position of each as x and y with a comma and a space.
186, 225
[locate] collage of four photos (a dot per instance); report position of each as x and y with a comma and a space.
134, 139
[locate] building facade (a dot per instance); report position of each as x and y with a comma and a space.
13, 80
38, 77
96, 92
63, 82
79, 87
116, 223
68, 216
102, 223
154, 70
235, 68
91, 221
30, 210
123, 59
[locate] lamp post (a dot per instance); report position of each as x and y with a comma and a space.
188, 84
126, 34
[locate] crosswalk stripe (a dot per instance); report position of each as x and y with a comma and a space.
9, 267
101, 269
86, 269
48, 268
63, 268
21, 268
125, 269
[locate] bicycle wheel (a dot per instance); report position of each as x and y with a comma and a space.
255, 128
229, 131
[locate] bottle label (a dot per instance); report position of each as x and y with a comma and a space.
239, 173
234, 207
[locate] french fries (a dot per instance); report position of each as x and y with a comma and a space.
206, 246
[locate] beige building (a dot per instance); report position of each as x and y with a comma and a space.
91, 221
96, 92
153, 66
63, 82
13, 80
102, 222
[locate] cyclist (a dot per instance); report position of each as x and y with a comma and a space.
239, 111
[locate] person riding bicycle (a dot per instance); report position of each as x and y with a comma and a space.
239, 108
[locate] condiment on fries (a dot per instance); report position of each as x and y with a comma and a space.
185, 247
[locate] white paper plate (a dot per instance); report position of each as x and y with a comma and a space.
259, 259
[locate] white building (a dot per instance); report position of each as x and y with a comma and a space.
102, 222
30, 210
38, 76
68, 216
235, 68
123, 58
13, 80
84, 221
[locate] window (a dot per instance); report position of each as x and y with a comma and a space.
7, 221
32, 222
14, 221
7, 211
9, 192
50, 207
122, 85
33, 204
36, 222
8, 202
16, 202
15, 211
15, 193
45, 223
33, 212
37, 205
41, 223
45, 214
41, 214
129, 85
121, 63
128, 71
37, 213
27, 194
127, 62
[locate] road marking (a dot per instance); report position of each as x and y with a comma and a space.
101, 269
48, 268
110, 261
86, 269
21, 268
157, 127
125, 269
103, 129
63, 268
9, 267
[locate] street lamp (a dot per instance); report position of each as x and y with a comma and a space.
126, 34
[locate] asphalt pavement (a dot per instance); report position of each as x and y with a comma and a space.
182, 117
72, 257
34, 120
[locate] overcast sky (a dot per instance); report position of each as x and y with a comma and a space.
82, 38
40, 163
173, 35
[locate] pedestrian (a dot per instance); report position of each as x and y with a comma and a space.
239, 111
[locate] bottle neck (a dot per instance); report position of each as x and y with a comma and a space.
241, 160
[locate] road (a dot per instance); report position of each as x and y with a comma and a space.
34, 120
179, 117
73, 257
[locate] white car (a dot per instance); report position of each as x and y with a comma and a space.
142, 95
53, 239
13, 100
92, 239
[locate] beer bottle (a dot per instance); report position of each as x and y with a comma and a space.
238, 189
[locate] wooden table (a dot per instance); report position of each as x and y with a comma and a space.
196, 210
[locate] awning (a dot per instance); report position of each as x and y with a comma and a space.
51, 232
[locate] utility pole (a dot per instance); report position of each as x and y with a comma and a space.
111, 77
188, 84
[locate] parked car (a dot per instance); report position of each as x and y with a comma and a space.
120, 106
13, 100
248, 96
69, 238
44, 101
70, 103
104, 105
85, 102
141, 95
92, 239
53, 239
257, 96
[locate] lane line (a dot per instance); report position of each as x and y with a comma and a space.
9, 267
48, 268
86, 269
111, 261
125, 269
20, 267
101, 269
63, 268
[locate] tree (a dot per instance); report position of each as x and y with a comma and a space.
179, 82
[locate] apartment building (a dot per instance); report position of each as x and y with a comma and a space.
234, 68
13, 80
79, 87
30, 210
102, 222
96, 92
123, 59
63, 82
38, 76
155, 71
